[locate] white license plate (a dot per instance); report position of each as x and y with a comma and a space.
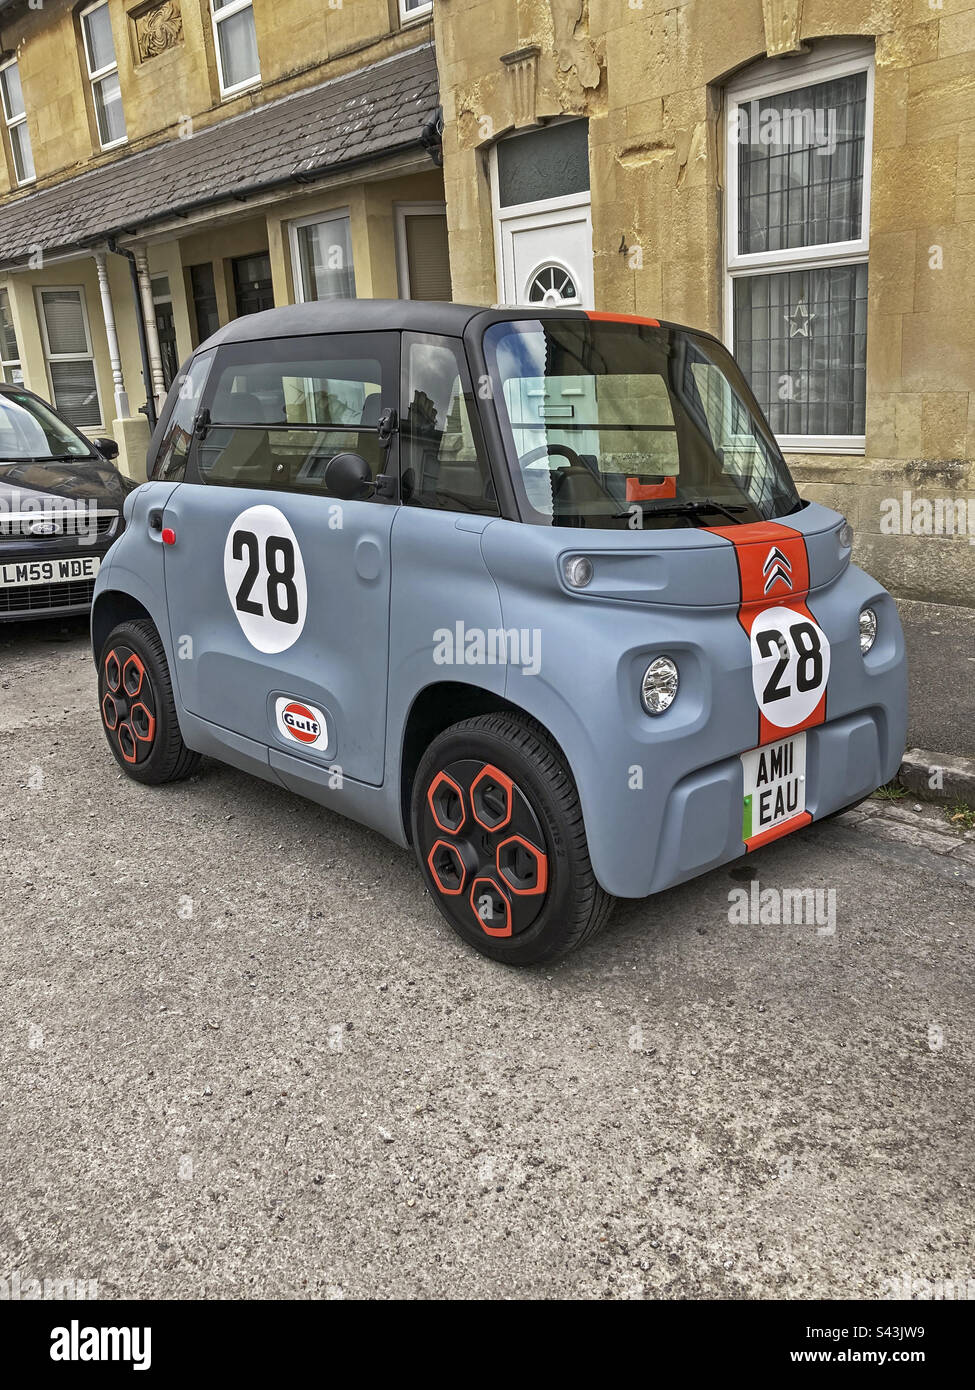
775, 785
18, 573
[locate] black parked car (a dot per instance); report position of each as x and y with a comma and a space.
60, 508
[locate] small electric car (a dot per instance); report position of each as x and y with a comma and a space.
61, 500
529, 590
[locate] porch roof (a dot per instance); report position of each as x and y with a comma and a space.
377, 111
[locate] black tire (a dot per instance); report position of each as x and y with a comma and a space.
144, 738
560, 905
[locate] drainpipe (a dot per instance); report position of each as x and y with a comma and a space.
149, 409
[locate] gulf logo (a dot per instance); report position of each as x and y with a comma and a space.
301, 723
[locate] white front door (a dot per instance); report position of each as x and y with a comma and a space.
545, 257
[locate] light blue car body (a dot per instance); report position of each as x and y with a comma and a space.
661, 796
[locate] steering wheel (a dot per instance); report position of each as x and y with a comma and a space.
564, 480
541, 450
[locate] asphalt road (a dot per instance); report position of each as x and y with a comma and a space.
941, 674
241, 1055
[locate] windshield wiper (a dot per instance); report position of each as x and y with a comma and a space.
700, 507
54, 458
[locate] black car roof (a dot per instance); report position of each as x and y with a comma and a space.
349, 316
393, 315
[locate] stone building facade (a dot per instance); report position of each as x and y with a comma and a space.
796, 176
844, 277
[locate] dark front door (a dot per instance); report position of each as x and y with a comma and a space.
168, 351
252, 283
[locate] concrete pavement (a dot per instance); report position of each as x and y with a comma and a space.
242, 1055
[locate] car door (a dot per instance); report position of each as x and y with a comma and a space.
278, 591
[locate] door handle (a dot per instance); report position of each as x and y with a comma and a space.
155, 520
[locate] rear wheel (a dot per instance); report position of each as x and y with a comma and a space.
499, 834
138, 712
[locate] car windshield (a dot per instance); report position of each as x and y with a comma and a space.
623, 424
29, 429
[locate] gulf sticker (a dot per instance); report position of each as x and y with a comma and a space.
299, 722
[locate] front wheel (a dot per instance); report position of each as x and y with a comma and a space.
138, 711
498, 831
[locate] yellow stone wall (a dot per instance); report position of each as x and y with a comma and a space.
650, 76
300, 43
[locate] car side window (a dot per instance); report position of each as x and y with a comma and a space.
443, 462
182, 406
280, 410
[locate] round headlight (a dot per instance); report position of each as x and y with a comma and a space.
868, 630
578, 571
660, 681
845, 536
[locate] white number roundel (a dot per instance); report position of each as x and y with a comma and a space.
265, 579
790, 665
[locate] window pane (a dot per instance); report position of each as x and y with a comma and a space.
98, 33
801, 339
297, 392
13, 96
75, 392
23, 155
646, 418
65, 322
204, 300
238, 48
30, 429
9, 352
331, 403
548, 163
108, 109
325, 254
170, 461
427, 258
442, 468
800, 166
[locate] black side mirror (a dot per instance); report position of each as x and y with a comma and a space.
108, 448
347, 476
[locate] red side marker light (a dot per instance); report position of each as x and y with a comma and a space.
168, 536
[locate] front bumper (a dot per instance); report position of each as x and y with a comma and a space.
50, 599
846, 759
682, 814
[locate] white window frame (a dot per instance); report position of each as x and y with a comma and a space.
333, 215
773, 78
12, 121
217, 16
10, 364
95, 76
49, 356
410, 16
401, 211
